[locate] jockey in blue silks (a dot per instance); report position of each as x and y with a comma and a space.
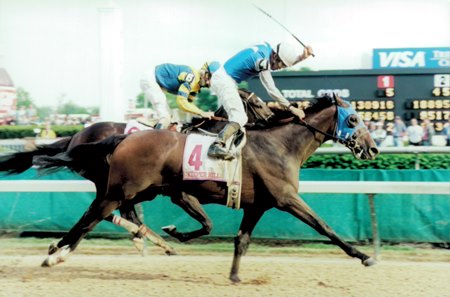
260, 59
180, 80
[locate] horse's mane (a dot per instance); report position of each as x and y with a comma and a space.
283, 116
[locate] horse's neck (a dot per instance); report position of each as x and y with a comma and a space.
302, 141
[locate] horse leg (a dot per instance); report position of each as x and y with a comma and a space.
297, 207
98, 210
242, 240
131, 226
128, 211
192, 207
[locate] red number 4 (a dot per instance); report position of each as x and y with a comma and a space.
195, 159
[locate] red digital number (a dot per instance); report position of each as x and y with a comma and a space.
385, 81
195, 159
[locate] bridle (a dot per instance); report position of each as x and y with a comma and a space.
350, 142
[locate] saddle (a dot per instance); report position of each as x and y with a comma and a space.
255, 106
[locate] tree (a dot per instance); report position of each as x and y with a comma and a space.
206, 101
72, 108
23, 98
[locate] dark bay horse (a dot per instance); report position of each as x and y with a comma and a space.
152, 161
16, 163
19, 162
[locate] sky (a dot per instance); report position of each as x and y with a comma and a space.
62, 51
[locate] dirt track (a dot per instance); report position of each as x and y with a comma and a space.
201, 275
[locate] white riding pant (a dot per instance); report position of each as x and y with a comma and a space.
227, 93
155, 95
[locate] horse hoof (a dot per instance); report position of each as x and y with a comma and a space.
369, 262
139, 244
53, 248
235, 279
169, 229
46, 263
171, 252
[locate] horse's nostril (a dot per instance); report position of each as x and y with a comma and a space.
373, 151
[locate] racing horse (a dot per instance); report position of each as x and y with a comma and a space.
271, 159
15, 163
19, 162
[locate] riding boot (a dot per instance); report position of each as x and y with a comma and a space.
218, 149
159, 126
163, 123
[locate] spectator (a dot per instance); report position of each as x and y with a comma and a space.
446, 131
47, 132
379, 134
415, 133
372, 127
428, 132
399, 131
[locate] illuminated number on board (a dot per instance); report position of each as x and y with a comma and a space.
442, 80
385, 81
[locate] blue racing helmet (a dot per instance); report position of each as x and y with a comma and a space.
211, 66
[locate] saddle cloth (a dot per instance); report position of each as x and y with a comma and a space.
135, 126
197, 165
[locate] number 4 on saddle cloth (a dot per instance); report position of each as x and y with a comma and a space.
197, 165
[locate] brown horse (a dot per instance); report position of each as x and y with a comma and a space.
152, 161
19, 162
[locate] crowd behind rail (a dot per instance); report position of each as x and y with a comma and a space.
413, 134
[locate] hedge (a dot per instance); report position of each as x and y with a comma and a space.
11, 132
383, 161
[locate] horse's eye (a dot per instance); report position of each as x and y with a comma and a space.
352, 121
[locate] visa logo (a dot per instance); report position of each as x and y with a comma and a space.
402, 59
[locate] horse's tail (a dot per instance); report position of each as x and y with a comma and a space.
16, 163
88, 159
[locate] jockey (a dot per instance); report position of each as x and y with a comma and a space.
180, 80
259, 59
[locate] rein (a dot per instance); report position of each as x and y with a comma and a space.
340, 140
346, 142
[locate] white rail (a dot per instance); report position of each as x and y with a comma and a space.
370, 188
334, 187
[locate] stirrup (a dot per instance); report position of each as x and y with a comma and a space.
217, 150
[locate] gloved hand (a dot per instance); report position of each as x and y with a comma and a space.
297, 112
207, 114
307, 51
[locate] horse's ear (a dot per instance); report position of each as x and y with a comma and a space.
334, 98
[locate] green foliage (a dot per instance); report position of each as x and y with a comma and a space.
72, 108
206, 101
44, 112
384, 161
171, 100
23, 98
63, 131
12, 132
140, 101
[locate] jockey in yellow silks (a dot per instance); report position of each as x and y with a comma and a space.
180, 80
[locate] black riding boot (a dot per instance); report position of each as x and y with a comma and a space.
159, 126
218, 149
